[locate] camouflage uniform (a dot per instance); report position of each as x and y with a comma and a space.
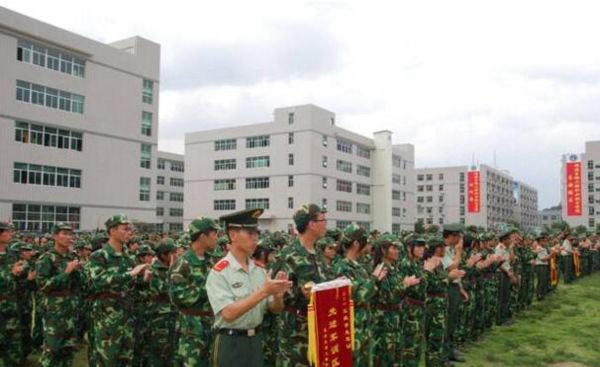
141, 305
10, 330
112, 324
59, 305
187, 282
414, 317
436, 306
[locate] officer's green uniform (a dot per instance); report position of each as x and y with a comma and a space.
187, 290
228, 282
59, 304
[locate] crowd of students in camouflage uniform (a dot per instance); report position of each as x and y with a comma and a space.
140, 300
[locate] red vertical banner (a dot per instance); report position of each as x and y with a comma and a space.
474, 191
331, 325
574, 194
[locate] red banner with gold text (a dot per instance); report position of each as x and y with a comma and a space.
474, 191
574, 194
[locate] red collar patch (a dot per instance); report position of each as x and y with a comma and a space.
221, 265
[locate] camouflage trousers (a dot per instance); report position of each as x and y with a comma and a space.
435, 330
412, 328
194, 341
526, 290
112, 334
464, 327
388, 335
292, 332
479, 308
158, 349
504, 297
543, 278
363, 338
491, 300
60, 334
10, 335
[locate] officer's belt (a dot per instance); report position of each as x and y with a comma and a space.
414, 302
296, 311
437, 295
7, 298
389, 307
238, 332
59, 294
195, 312
161, 298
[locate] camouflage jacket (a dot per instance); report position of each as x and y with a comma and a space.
51, 276
409, 268
391, 288
364, 287
109, 271
8, 284
187, 281
437, 281
158, 290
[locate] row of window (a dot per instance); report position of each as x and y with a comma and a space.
229, 204
429, 177
36, 174
428, 188
176, 166
50, 58
48, 136
49, 97
173, 196
173, 212
41, 218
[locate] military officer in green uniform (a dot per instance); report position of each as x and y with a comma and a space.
240, 293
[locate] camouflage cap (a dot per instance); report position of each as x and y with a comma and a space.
435, 241
334, 233
25, 246
115, 220
326, 242
6, 225
418, 240
165, 246
453, 228
222, 241
507, 230
81, 244
385, 240
144, 250
352, 233
202, 225
306, 213
61, 226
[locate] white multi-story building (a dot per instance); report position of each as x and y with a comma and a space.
169, 191
443, 195
78, 126
550, 216
300, 157
580, 189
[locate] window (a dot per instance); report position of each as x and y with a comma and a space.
395, 212
160, 180
144, 188
590, 164
290, 203
363, 208
262, 203
228, 204
52, 98
324, 182
160, 212
324, 203
176, 196
257, 162
344, 166
420, 188
363, 152
344, 146
160, 195
420, 177
177, 166
344, 186
48, 136
396, 228
41, 218
175, 227
429, 199
177, 182
257, 183
462, 210
35, 174
176, 212
225, 144
290, 138
441, 176
225, 164
290, 159
290, 181
461, 176
50, 58
146, 156
396, 161
221, 185
146, 123
429, 188
290, 118
341, 224
363, 189
343, 206
363, 171
148, 91
258, 141
395, 195
324, 161
462, 188
420, 199
160, 164
441, 198
324, 141
441, 188
396, 179
428, 177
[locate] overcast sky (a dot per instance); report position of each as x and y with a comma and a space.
454, 78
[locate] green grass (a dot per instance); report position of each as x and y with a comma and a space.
561, 330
